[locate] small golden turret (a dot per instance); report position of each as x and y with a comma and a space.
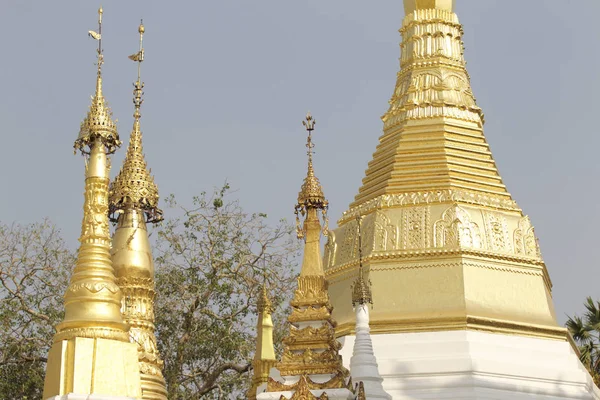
133, 202
91, 353
264, 357
311, 352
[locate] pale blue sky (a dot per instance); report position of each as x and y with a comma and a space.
228, 83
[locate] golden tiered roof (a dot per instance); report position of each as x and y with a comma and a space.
433, 130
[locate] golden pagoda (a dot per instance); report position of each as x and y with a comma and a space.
464, 305
264, 356
91, 352
310, 366
133, 202
439, 224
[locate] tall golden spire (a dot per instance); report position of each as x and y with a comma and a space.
264, 357
91, 353
133, 202
311, 352
445, 244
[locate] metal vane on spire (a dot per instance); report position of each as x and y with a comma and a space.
98, 123
134, 186
361, 290
311, 193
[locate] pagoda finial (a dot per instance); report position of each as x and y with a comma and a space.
98, 123
413, 5
134, 186
311, 193
361, 290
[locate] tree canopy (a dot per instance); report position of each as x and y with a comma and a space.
586, 332
211, 258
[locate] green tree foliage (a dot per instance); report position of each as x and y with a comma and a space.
586, 332
34, 266
211, 259
211, 262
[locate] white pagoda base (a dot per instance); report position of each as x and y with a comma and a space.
472, 365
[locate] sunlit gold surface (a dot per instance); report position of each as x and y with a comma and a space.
133, 201
310, 349
264, 357
91, 353
445, 245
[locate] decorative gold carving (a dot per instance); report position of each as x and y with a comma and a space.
307, 336
416, 228
309, 314
94, 287
312, 290
91, 333
524, 239
338, 381
330, 250
386, 233
433, 197
497, 232
303, 392
456, 229
349, 245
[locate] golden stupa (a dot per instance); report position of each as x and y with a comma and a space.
91, 352
444, 242
133, 202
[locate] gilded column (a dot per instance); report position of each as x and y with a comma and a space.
134, 203
91, 353
264, 357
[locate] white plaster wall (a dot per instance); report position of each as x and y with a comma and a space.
471, 365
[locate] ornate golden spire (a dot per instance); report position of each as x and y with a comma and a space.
133, 201
311, 349
361, 289
98, 123
134, 186
311, 193
93, 336
264, 357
